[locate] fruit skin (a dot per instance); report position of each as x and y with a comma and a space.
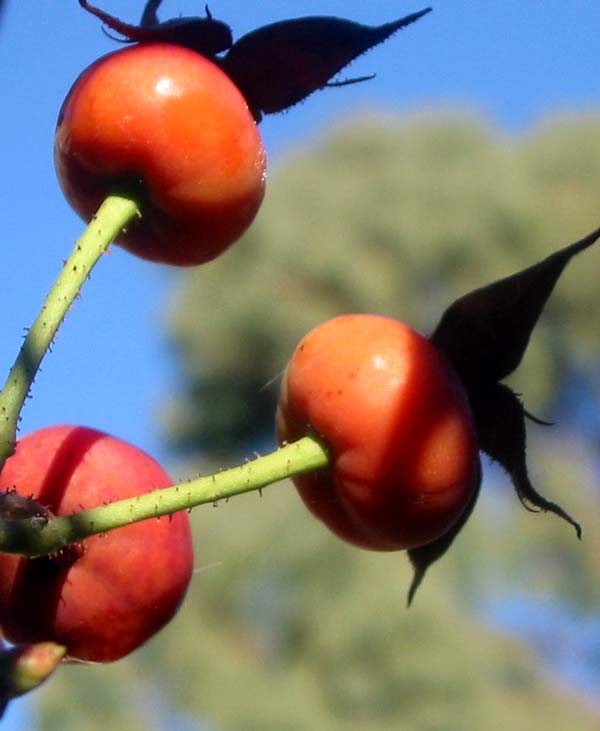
167, 123
106, 596
394, 415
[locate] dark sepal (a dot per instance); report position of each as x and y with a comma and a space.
485, 333
500, 419
421, 558
279, 65
206, 36
150, 14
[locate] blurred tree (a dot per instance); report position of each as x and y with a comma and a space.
394, 217
285, 627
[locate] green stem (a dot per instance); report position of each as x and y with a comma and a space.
32, 537
112, 216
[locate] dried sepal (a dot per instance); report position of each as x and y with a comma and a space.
422, 557
275, 66
279, 65
204, 35
500, 418
485, 333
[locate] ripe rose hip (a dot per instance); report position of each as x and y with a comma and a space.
393, 413
106, 596
167, 123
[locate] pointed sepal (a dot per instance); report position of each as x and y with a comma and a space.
203, 35
279, 65
422, 557
500, 418
485, 333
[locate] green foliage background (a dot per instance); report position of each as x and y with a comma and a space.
391, 216
285, 628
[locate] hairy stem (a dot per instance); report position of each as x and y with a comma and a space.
113, 215
32, 537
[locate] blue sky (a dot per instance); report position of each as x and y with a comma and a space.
513, 62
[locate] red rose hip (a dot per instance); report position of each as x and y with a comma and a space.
397, 423
104, 597
168, 124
